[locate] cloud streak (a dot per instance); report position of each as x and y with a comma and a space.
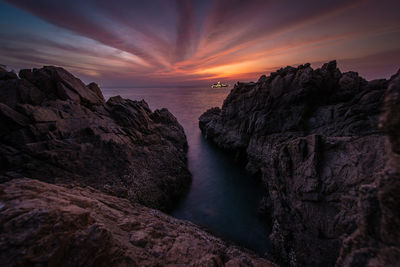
183, 40
73, 18
185, 27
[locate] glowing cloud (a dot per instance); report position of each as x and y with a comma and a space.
189, 42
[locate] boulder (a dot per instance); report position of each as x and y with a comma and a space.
96, 89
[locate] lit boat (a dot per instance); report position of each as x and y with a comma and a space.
218, 85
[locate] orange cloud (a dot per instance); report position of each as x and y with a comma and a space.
183, 41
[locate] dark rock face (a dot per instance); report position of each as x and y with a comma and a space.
50, 225
56, 129
376, 242
107, 159
313, 138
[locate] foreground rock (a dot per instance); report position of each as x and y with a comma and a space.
49, 225
377, 239
56, 129
313, 137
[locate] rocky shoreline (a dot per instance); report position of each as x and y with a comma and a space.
58, 130
79, 177
312, 136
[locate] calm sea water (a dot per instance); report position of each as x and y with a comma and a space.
222, 198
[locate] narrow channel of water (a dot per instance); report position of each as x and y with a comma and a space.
222, 198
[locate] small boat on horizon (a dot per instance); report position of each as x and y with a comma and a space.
219, 85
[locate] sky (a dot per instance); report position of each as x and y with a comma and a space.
189, 43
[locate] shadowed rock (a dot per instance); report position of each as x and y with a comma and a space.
7, 75
313, 138
56, 129
376, 242
57, 83
49, 225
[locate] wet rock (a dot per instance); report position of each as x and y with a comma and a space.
312, 136
56, 129
50, 225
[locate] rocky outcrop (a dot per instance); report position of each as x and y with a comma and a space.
376, 242
97, 163
56, 129
49, 225
313, 138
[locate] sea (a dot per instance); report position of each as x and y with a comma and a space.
223, 198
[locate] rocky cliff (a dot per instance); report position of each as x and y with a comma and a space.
56, 129
49, 225
97, 163
313, 138
376, 242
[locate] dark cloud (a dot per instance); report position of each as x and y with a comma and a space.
185, 28
292, 14
70, 15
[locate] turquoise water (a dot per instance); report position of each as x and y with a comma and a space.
222, 198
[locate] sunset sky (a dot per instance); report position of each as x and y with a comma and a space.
178, 42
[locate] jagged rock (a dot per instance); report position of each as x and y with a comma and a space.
60, 84
96, 89
56, 129
376, 242
7, 75
50, 225
312, 137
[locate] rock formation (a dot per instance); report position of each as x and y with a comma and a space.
313, 138
97, 163
56, 129
376, 242
49, 225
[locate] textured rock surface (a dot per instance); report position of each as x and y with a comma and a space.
56, 129
313, 138
50, 225
377, 239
